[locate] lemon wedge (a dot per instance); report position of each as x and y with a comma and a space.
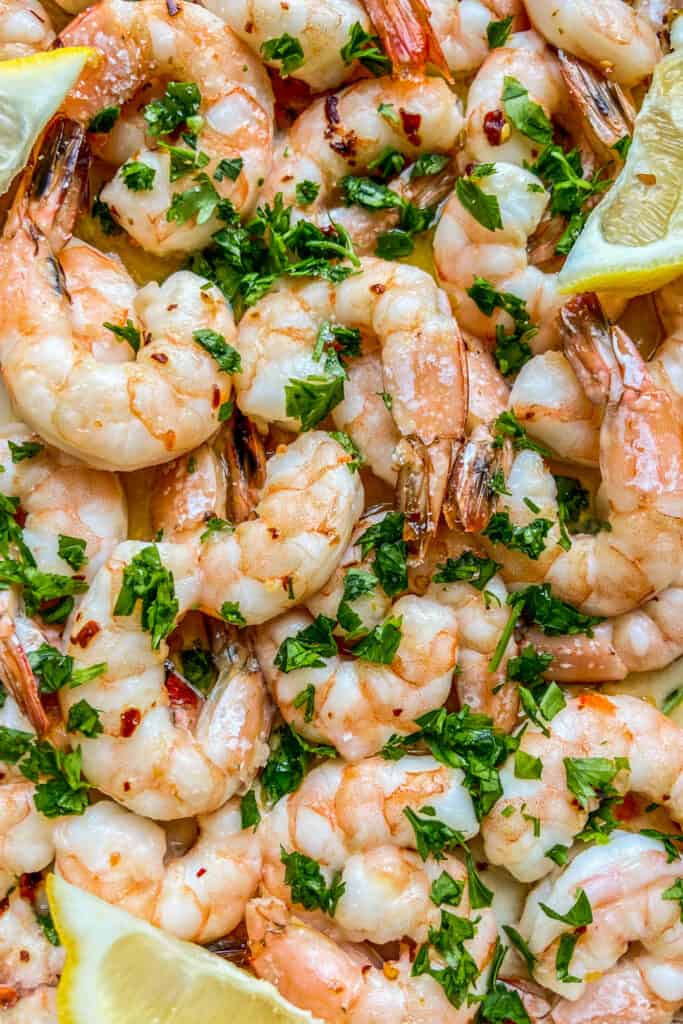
31, 90
121, 970
633, 240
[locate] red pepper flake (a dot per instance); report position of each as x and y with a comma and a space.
411, 126
130, 720
4, 904
86, 633
179, 693
21, 516
24, 956
494, 122
378, 289
216, 398
159, 357
202, 871
126, 787
28, 883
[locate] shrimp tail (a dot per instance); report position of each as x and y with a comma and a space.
412, 492
54, 188
470, 498
15, 670
407, 34
587, 341
245, 455
606, 108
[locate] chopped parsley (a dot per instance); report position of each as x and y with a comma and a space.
60, 786
367, 50
198, 667
445, 889
373, 195
578, 916
512, 350
381, 644
200, 202
528, 117
508, 427
178, 106
428, 164
227, 357
350, 448
72, 550
105, 119
591, 778
308, 885
146, 579
128, 333
137, 176
484, 208
22, 450
357, 582
461, 971
101, 211
230, 612
467, 568
306, 699
215, 525
285, 49
675, 892
228, 167
529, 539
390, 565
570, 191
250, 814
184, 161
309, 647
289, 760
306, 192
498, 32
527, 766
54, 670
84, 718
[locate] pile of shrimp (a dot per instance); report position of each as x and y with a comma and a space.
331, 531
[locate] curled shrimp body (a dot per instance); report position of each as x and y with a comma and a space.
527, 59
461, 29
344, 132
199, 895
625, 881
187, 44
589, 726
321, 29
25, 835
341, 809
398, 310
339, 983
358, 705
27, 960
38, 1007
25, 28
608, 34
499, 256
113, 415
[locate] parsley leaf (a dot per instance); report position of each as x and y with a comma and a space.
129, 333
215, 525
508, 427
200, 201
227, 357
529, 539
61, 788
184, 161
357, 582
382, 643
309, 647
21, 450
570, 191
249, 811
306, 192
428, 164
527, 766
675, 892
590, 778
467, 568
228, 167
367, 50
230, 612
53, 670
180, 102
308, 885
289, 760
446, 889
72, 550
287, 50
350, 448
484, 208
105, 119
306, 699
498, 32
137, 176
146, 579
528, 117
101, 211
578, 916
390, 562
85, 719
512, 350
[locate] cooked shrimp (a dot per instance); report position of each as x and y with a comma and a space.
424, 369
25, 835
461, 29
591, 725
321, 29
341, 984
625, 882
27, 959
39, 1007
607, 33
500, 256
186, 494
121, 858
190, 45
341, 809
344, 132
113, 415
25, 28
148, 758
621, 996
548, 400
358, 705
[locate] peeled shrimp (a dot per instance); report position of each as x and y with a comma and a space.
27, 960
607, 33
423, 361
591, 725
25, 834
39, 1007
25, 28
344, 132
192, 45
322, 29
148, 758
121, 858
461, 29
113, 415
341, 984
624, 881
465, 249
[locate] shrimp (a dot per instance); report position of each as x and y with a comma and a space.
549, 401
27, 960
25, 28
339, 983
198, 896
321, 29
235, 105
342, 133
647, 638
607, 33
626, 882
621, 996
423, 360
26, 843
461, 29
114, 415
341, 809
545, 812
148, 758
38, 1007
500, 257
358, 705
